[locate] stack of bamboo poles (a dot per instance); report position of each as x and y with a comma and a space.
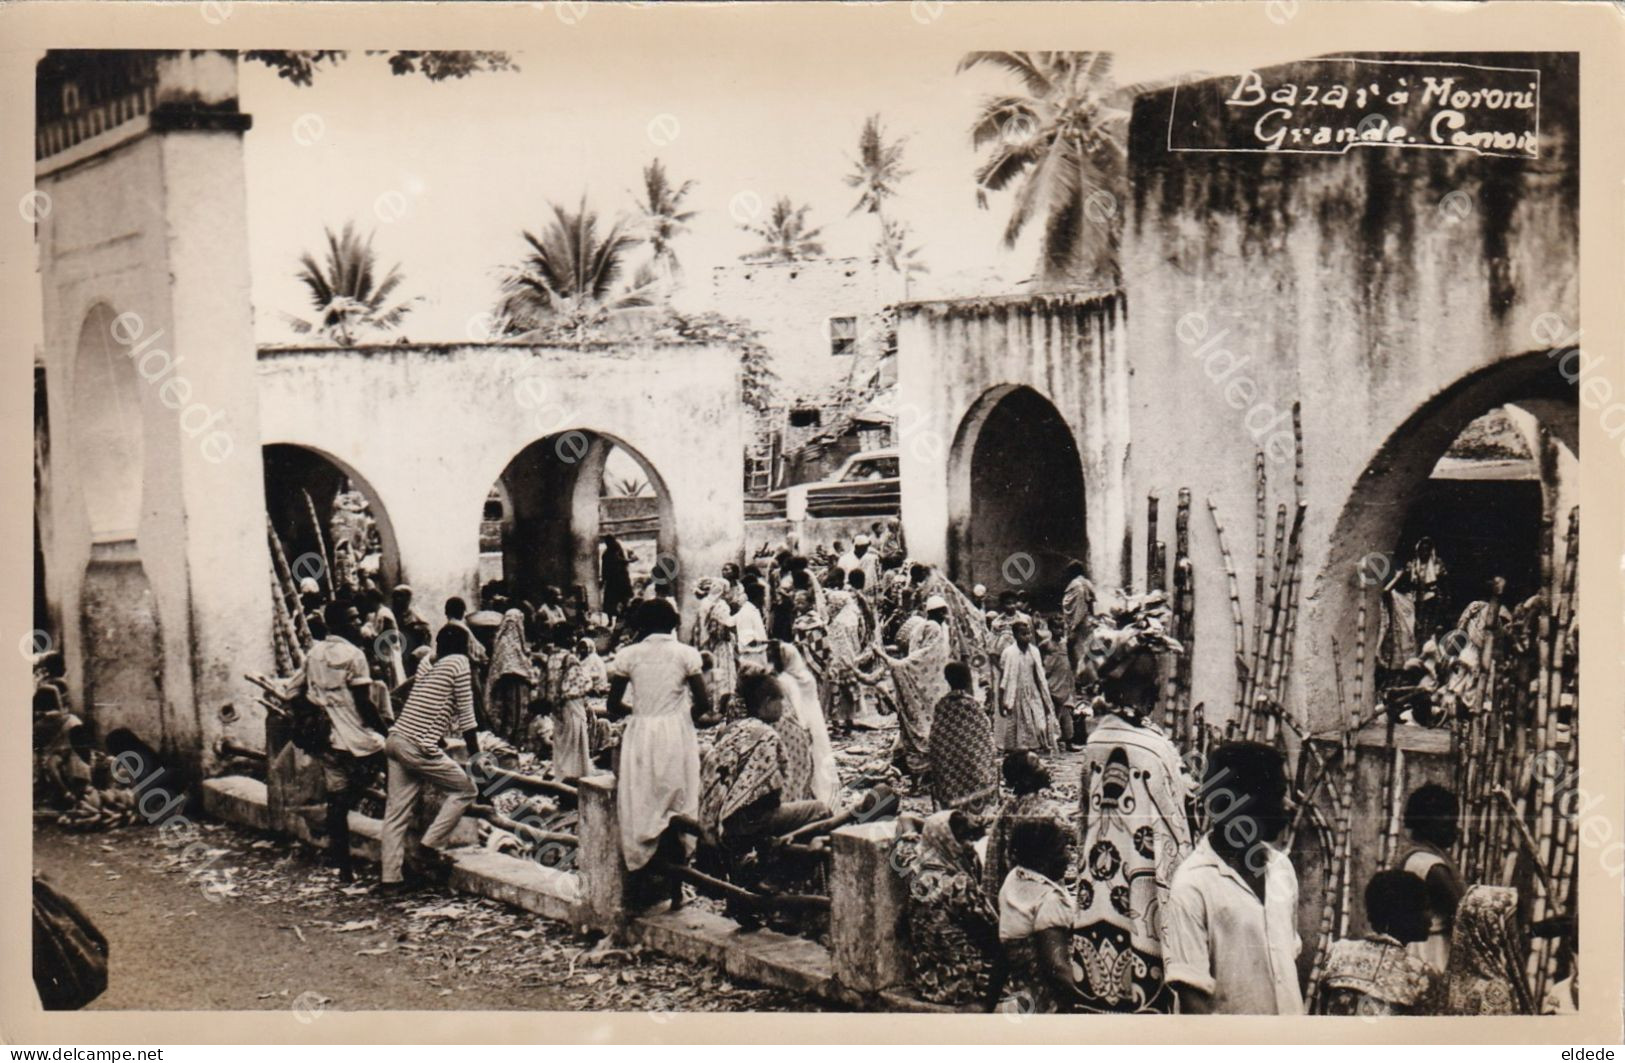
1261, 678
290, 634
1515, 769
1184, 725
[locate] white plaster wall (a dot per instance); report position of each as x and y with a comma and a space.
155, 228
1067, 348
431, 428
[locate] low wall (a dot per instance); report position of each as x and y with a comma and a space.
863, 967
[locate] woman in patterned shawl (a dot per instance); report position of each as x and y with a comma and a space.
953, 935
964, 767
969, 639
1135, 828
510, 678
920, 682
1486, 976
1376, 975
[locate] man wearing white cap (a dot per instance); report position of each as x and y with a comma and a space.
851, 560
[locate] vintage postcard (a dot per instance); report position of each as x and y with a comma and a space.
606, 520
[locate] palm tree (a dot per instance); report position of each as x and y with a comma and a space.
1061, 147
876, 173
626, 486
784, 235
570, 276
343, 292
664, 219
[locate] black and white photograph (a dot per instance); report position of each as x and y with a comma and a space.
706, 508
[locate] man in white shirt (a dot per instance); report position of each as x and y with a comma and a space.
1231, 930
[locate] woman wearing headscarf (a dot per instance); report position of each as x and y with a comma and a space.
509, 680
850, 654
920, 682
714, 635
953, 935
964, 768
1486, 974
1135, 829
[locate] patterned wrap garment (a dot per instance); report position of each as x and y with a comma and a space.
952, 925
1136, 834
1377, 975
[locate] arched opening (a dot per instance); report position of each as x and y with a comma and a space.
549, 518
1474, 472
106, 428
331, 523
1016, 496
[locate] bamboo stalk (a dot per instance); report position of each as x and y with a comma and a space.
1323, 941
1235, 606
1153, 575
321, 545
1390, 786
1290, 634
1260, 533
1281, 615
1260, 631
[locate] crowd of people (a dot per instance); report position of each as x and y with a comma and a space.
1163, 890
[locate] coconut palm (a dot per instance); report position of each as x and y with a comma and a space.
1060, 147
626, 486
570, 278
347, 298
784, 235
876, 173
664, 219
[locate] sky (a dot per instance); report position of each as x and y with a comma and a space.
448, 174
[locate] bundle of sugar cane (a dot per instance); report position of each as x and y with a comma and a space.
1283, 668
1470, 753
1235, 609
282, 638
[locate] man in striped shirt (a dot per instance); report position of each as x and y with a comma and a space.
442, 700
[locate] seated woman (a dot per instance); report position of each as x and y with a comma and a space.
1379, 974
953, 940
744, 783
1035, 922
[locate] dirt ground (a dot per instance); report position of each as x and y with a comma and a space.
265, 927
274, 929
